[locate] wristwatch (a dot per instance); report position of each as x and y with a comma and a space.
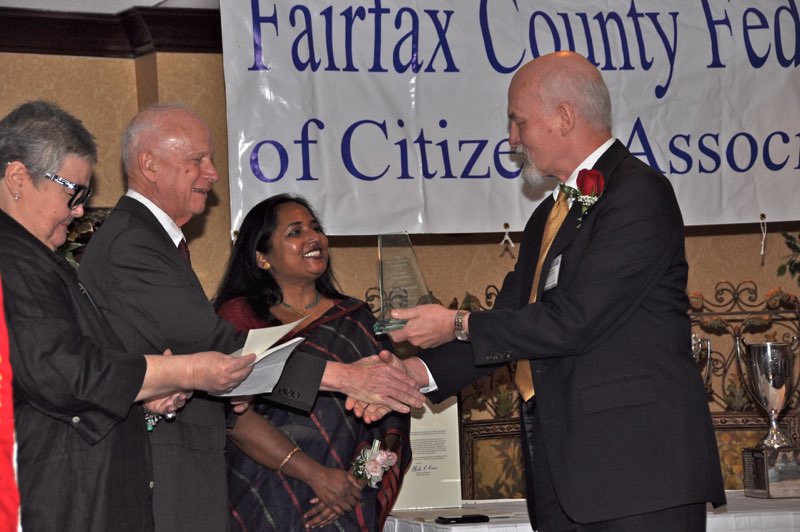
461, 334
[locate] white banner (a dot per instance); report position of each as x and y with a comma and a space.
391, 115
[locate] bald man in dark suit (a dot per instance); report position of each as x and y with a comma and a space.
616, 430
138, 270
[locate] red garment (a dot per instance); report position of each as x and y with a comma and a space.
9, 495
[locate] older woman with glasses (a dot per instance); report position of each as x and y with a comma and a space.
83, 454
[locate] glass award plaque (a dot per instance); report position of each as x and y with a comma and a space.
400, 280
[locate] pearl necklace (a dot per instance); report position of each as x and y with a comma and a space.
305, 309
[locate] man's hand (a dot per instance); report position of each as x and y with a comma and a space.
369, 413
378, 379
426, 326
218, 373
242, 403
413, 367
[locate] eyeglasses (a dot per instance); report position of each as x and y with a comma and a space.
82, 193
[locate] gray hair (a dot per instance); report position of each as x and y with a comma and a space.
40, 135
587, 93
140, 129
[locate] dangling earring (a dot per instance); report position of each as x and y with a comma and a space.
16, 195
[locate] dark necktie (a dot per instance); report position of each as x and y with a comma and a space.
183, 247
523, 377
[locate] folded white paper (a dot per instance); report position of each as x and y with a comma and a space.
270, 359
260, 340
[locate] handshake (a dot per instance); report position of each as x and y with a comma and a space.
393, 384
381, 383
374, 385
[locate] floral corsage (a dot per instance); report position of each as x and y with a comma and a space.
590, 187
372, 463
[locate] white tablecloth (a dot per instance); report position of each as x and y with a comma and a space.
506, 515
748, 513
509, 515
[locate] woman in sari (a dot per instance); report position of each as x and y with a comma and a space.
279, 272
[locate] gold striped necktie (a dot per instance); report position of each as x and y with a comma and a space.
523, 377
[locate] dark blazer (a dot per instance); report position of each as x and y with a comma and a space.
622, 410
83, 458
154, 301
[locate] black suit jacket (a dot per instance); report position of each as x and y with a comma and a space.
154, 301
622, 409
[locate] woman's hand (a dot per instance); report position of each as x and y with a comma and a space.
336, 490
216, 372
320, 515
168, 404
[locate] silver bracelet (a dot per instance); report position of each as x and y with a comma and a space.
151, 419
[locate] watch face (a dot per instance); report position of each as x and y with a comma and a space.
462, 336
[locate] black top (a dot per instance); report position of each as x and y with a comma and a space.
83, 458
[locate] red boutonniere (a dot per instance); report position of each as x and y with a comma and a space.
590, 187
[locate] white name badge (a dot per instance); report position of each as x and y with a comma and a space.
552, 274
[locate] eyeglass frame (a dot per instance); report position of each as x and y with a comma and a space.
77, 199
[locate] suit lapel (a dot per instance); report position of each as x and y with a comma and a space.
139, 211
607, 163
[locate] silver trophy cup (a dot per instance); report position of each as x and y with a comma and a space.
767, 372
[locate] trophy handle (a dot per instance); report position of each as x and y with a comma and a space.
698, 346
796, 382
738, 342
707, 369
